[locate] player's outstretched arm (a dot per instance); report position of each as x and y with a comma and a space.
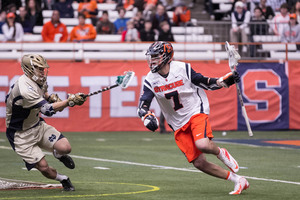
73, 99
53, 98
61, 105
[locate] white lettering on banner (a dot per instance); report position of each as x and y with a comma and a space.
59, 81
118, 96
154, 105
95, 83
3, 83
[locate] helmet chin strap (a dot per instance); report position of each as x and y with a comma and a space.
35, 78
39, 81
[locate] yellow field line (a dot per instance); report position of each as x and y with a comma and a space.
153, 188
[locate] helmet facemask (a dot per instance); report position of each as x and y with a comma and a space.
155, 62
40, 75
159, 55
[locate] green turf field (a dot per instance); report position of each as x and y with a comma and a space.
149, 166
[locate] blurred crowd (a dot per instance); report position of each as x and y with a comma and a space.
150, 21
265, 17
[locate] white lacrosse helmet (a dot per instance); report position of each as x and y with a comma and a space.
35, 67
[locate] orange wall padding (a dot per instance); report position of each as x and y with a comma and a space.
294, 93
114, 110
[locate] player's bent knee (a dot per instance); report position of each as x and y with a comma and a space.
63, 146
42, 166
44, 169
64, 150
203, 145
200, 162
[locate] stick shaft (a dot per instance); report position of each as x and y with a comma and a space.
102, 90
244, 112
234, 56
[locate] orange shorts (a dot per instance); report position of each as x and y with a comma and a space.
197, 128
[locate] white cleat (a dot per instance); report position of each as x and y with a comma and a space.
228, 160
241, 185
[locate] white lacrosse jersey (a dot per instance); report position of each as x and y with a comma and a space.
23, 104
178, 97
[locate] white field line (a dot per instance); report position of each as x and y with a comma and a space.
173, 168
33, 169
164, 167
100, 139
253, 145
103, 168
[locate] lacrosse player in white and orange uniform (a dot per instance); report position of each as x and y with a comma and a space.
179, 92
26, 131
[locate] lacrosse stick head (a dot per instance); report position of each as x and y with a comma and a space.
127, 79
233, 55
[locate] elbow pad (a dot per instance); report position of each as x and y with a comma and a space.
47, 110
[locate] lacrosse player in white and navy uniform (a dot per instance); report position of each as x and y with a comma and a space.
179, 91
26, 131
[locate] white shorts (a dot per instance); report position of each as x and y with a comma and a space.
29, 143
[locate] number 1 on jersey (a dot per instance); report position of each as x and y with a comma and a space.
175, 96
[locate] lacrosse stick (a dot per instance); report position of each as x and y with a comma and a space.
125, 83
233, 58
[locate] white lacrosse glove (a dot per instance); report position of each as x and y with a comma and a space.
53, 98
229, 79
76, 99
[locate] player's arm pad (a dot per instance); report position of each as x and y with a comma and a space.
47, 109
203, 81
229, 79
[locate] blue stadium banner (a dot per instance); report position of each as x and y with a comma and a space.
265, 91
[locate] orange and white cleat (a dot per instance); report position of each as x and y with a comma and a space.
228, 160
241, 185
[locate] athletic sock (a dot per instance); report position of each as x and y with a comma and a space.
233, 177
56, 155
60, 177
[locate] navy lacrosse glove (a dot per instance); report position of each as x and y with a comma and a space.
229, 79
149, 119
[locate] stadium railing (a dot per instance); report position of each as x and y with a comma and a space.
112, 14
136, 51
176, 30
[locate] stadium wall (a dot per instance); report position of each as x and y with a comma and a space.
269, 91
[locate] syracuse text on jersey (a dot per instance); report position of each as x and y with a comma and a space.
168, 86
